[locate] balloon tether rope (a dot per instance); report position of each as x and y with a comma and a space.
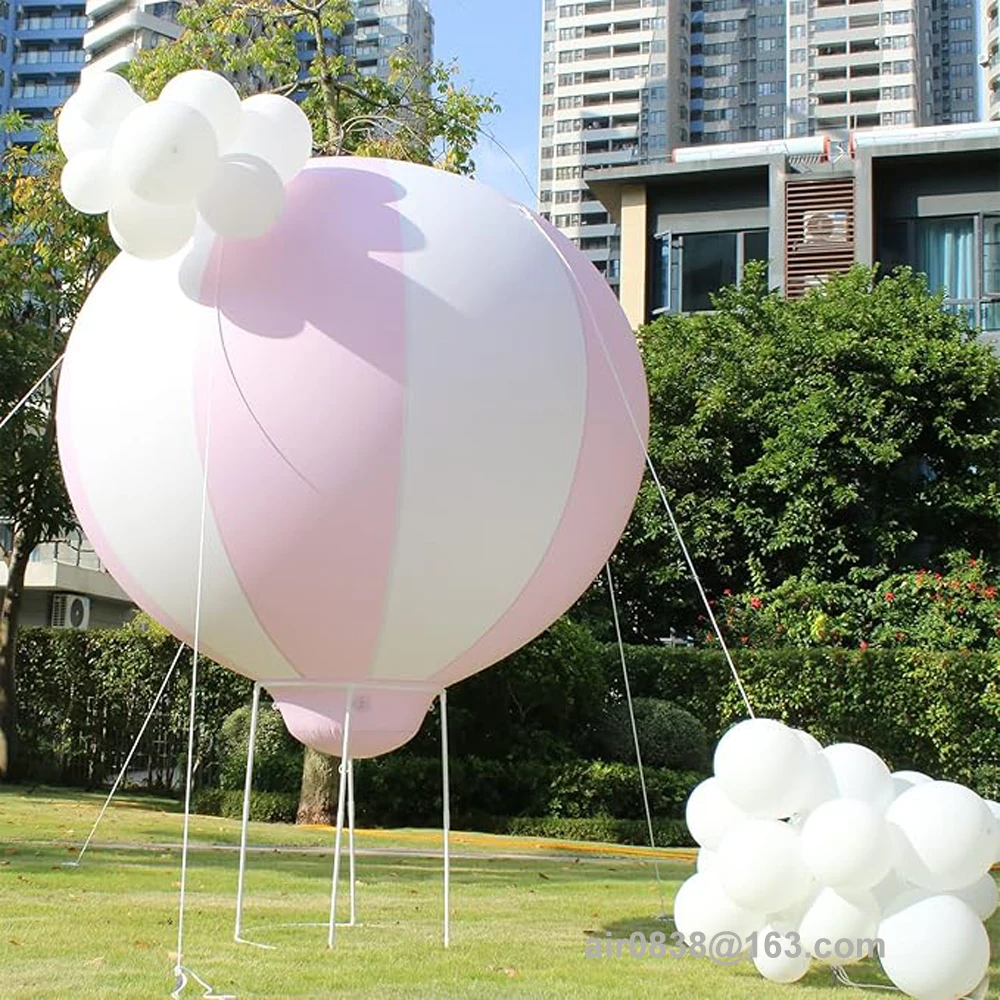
652, 471
128, 761
840, 974
635, 736
31, 392
182, 972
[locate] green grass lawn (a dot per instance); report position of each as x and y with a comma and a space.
519, 925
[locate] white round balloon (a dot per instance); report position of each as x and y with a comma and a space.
702, 905
903, 781
148, 230
981, 896
710, 814
86, 182
763, 767
104, 100
839, 927
860, 773
244, 199
935, 949
76, 135
809, 741
213, 96
276, 130
789, 919
164, 152
994, 808
760, 866
707, 861
780, 959
846, 844
943, 835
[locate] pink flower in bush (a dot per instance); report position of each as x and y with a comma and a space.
890, 597
756, 603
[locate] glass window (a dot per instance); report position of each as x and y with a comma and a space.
755, 245
709, 263
946, 253
991, 257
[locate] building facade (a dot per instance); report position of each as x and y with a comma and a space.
928, 198
605, 100
990, 58
627, 81
41, 53
67, 586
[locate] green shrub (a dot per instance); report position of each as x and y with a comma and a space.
277, 756
265, 807
668, 736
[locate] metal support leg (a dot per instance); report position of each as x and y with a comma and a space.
341, 795
350, 835
445, 817
247, 788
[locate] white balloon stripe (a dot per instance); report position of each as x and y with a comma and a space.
458, 392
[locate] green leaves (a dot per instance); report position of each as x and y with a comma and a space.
858, 427
421, 113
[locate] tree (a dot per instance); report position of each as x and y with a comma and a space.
849, 434
418, 114
50, 257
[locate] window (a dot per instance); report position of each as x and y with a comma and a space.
688, 269
960, 256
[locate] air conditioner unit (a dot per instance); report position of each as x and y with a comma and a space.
70, 611
824, 227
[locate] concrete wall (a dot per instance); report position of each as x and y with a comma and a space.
907, 187
723, 200
36, 610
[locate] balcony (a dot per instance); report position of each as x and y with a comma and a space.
51, 29
111, 60
43, 62
41, 102
127, 24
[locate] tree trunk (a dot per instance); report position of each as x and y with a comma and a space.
10, 614
318, 795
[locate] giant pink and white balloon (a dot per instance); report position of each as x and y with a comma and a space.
406, 395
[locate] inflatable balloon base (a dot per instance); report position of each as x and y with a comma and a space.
821, 855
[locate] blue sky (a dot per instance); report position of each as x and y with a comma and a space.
497, 43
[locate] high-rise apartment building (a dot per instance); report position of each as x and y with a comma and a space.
120, 28
606, 100
990, 58
41, 53
629, 80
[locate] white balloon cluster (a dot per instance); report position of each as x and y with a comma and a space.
196, 151
828, 845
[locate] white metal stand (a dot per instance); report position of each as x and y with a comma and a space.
244, 835
247, 788
341, 796
445, 817
350, 837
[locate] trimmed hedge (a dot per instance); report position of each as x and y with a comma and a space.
666, 832
398, 790
277, 807
82, 696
